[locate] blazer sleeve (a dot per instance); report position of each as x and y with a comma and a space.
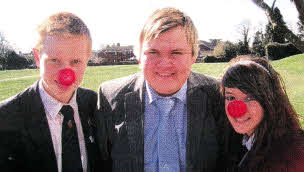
104, 131
10, 135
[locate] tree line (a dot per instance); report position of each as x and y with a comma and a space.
275, 41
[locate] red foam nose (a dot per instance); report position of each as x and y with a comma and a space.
237, 108
66, 77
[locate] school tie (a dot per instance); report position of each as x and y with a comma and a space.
71, 158
168, 141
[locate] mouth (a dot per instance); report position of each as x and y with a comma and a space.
62, 86
165, 74
242, 120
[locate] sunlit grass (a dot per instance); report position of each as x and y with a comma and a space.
291, 69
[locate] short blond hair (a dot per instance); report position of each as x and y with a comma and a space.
165, 19
63, 24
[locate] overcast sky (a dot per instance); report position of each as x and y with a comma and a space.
114, 21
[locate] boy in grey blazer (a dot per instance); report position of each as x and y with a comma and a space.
130, 125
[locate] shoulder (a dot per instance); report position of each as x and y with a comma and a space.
14, 110
86, 92
122, 85
203, 81
18, 100
288, 153
86, 97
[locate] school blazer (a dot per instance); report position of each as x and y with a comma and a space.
120, 123
25, 138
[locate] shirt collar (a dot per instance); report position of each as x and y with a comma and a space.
51, 105
152, 95
248, 141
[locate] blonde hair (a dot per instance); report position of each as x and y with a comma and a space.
63, 24
163, 20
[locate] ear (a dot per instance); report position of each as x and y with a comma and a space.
36, 54
138, 60
193, 60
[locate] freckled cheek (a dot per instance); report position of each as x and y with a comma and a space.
79, 73
255, 108
48, 72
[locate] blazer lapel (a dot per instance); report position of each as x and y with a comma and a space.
84, 117
38, 128
87, 128
196, 110
195, 113
134, 106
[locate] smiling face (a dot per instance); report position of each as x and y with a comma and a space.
59, 53
166, 61
251, 119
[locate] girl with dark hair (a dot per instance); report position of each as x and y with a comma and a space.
258, 107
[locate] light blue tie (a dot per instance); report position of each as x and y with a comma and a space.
168, 154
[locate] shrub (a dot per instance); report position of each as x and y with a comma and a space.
213, 59
226, 50
276, 51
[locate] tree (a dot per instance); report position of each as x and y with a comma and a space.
4, 49
214, 42
300, 7
258, 44
15, 61
270, 13
301, 31
277, 34
243, 44
226, 50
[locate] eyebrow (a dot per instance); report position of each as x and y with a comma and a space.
227, 92
178, 49
151, 49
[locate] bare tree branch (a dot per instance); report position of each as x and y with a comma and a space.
300, 7
290, 36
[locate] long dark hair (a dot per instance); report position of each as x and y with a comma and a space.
256, 77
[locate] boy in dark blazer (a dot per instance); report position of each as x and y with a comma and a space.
36, 132
132, 131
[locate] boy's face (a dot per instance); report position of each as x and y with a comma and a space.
58, 53
166, 61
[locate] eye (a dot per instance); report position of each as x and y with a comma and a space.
229, 98
75, 61
152, 52
177, 53
249, 98
54, 60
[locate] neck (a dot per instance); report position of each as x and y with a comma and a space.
64, 97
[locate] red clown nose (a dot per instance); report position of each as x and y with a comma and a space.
66, 77
237, 108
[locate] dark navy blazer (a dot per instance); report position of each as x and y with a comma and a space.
120, 123
25, 138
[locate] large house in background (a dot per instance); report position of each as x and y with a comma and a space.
114, 54
205, 48
117, 54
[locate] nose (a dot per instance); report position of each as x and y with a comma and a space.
65, 64
237, 108
66, 76
165, 60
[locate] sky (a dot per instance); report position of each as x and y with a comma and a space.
119, 21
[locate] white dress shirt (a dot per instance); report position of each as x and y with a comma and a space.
248, 141
55, 119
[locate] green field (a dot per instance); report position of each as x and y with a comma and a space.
291, 69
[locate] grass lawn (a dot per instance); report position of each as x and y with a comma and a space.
291, 70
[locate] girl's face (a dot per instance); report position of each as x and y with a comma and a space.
247, 123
